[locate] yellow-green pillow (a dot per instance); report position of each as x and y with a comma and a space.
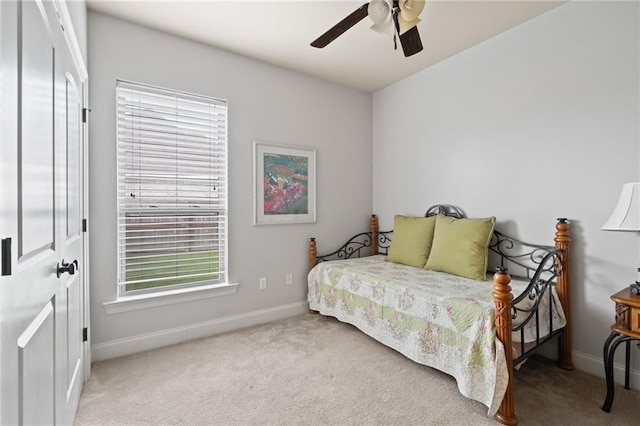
411, 241
460, 246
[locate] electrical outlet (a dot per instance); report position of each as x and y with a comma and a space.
289, 279
263, 283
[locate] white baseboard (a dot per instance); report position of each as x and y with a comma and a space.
595, 366
144, 342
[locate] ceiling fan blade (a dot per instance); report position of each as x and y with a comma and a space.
409, 40
341, 27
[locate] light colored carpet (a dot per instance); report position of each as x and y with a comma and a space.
314, 370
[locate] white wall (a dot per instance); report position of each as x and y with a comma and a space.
266, 103
537, 123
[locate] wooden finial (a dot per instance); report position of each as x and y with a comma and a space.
373, 227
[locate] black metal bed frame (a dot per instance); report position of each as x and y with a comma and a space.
537, 263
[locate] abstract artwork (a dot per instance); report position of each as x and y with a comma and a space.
284, 179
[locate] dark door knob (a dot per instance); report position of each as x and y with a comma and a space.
71, 268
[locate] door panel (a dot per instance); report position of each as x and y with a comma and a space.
36, 357
74, 331
36, 168
73, 194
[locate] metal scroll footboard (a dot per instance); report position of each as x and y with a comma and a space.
541, 265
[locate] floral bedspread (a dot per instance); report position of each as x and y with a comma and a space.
434, 318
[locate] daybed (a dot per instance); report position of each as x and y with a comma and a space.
472, 328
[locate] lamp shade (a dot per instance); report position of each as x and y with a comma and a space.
380, 13
411, 9
405, 26
626, 215
409, 12
386, 28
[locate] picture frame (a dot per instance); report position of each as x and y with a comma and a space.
284, 180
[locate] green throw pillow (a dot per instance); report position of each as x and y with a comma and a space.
411, 242
460, 246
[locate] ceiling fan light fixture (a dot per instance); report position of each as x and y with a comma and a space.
411, 9
408, 15
404, 26
386, 28
380, 11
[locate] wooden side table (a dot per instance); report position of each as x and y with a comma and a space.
625, 330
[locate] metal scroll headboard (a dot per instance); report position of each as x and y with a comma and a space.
445, 209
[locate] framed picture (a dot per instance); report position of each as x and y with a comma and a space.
284, 184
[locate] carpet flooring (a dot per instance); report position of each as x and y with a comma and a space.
314, 370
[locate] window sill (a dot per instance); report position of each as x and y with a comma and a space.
134, 303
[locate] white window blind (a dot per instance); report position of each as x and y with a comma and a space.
172, 189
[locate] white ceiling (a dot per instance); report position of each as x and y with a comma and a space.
279, 32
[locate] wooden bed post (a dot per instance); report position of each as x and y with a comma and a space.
313, 253
563, 241
502, 298
313, 261
373, 226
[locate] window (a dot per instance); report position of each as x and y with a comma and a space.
172, 189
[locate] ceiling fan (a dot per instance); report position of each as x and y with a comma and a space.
392, 17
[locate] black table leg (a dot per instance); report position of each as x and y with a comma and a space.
608, 377
611, 344
626, 365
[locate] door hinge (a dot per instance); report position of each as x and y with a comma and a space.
84, 225
84, 114
85, 334
6, 256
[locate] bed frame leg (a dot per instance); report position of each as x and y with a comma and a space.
563, 241
502, 298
